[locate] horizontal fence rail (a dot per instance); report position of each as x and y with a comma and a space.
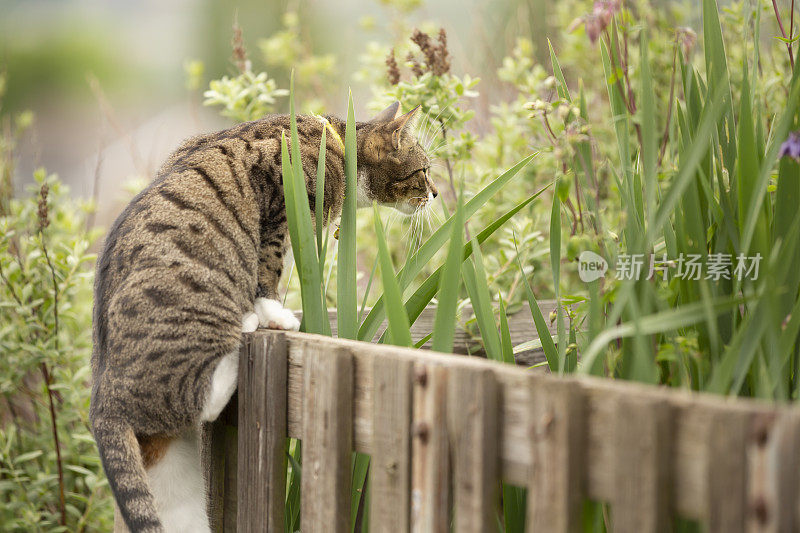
442, 428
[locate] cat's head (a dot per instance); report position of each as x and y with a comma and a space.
393, 166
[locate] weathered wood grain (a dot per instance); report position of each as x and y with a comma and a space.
218, 453
642, 453
556, 487
703, 464
430, 469
327, 439
472, 400
772, 472
390, 466
726, 482
262, 434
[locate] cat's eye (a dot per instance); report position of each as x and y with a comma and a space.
423, 170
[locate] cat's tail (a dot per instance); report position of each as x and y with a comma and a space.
124, 467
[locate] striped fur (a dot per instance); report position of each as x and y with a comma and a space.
185, 267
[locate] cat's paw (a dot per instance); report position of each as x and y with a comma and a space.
272, 315
249, 323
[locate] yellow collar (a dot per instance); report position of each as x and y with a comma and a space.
331, 130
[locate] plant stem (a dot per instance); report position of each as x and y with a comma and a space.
783, 32
665, 137
47, 382
54, 427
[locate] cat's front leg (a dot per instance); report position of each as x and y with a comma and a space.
271, 313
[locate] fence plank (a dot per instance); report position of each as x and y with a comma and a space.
327, 439
772, 467
430, 488
557, 485
472, 403
390, 477
262, 434
641, 502
726, 473
218, 456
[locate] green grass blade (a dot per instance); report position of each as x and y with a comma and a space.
648, 126
514, 508
478, 290
548, 346
360, 471
555, 265
399, 329
347, 292
426, 252
444, 323
561, 85
298, 216
506, 347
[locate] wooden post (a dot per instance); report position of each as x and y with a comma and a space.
430, 471
219, 458
642, 454
726, 473
773, 465
390, 471
327, 439
262, 434
556, 490
472, 409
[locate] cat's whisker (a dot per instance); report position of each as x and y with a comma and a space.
435, 130
445, 120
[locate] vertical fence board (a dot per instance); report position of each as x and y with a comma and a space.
557, 486
772, 471
473, 427
213, 438
262, 434
218, 454
783, 462
430, 494
642, 452
327, 439
390, 470
726, 474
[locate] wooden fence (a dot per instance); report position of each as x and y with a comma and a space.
444, 428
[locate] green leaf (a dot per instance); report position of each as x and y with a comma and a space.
445, 321
346, 290
548, 346
555, 265
298, 217
478, 290
505, 335
399, 329
561, 86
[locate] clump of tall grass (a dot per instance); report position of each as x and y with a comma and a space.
309, 252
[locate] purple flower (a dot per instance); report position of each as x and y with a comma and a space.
791, 147
598, 20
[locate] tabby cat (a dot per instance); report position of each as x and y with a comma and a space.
193, 261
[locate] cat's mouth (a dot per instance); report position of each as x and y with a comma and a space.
415, 204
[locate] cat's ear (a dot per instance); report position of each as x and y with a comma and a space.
402, 126
388, 114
